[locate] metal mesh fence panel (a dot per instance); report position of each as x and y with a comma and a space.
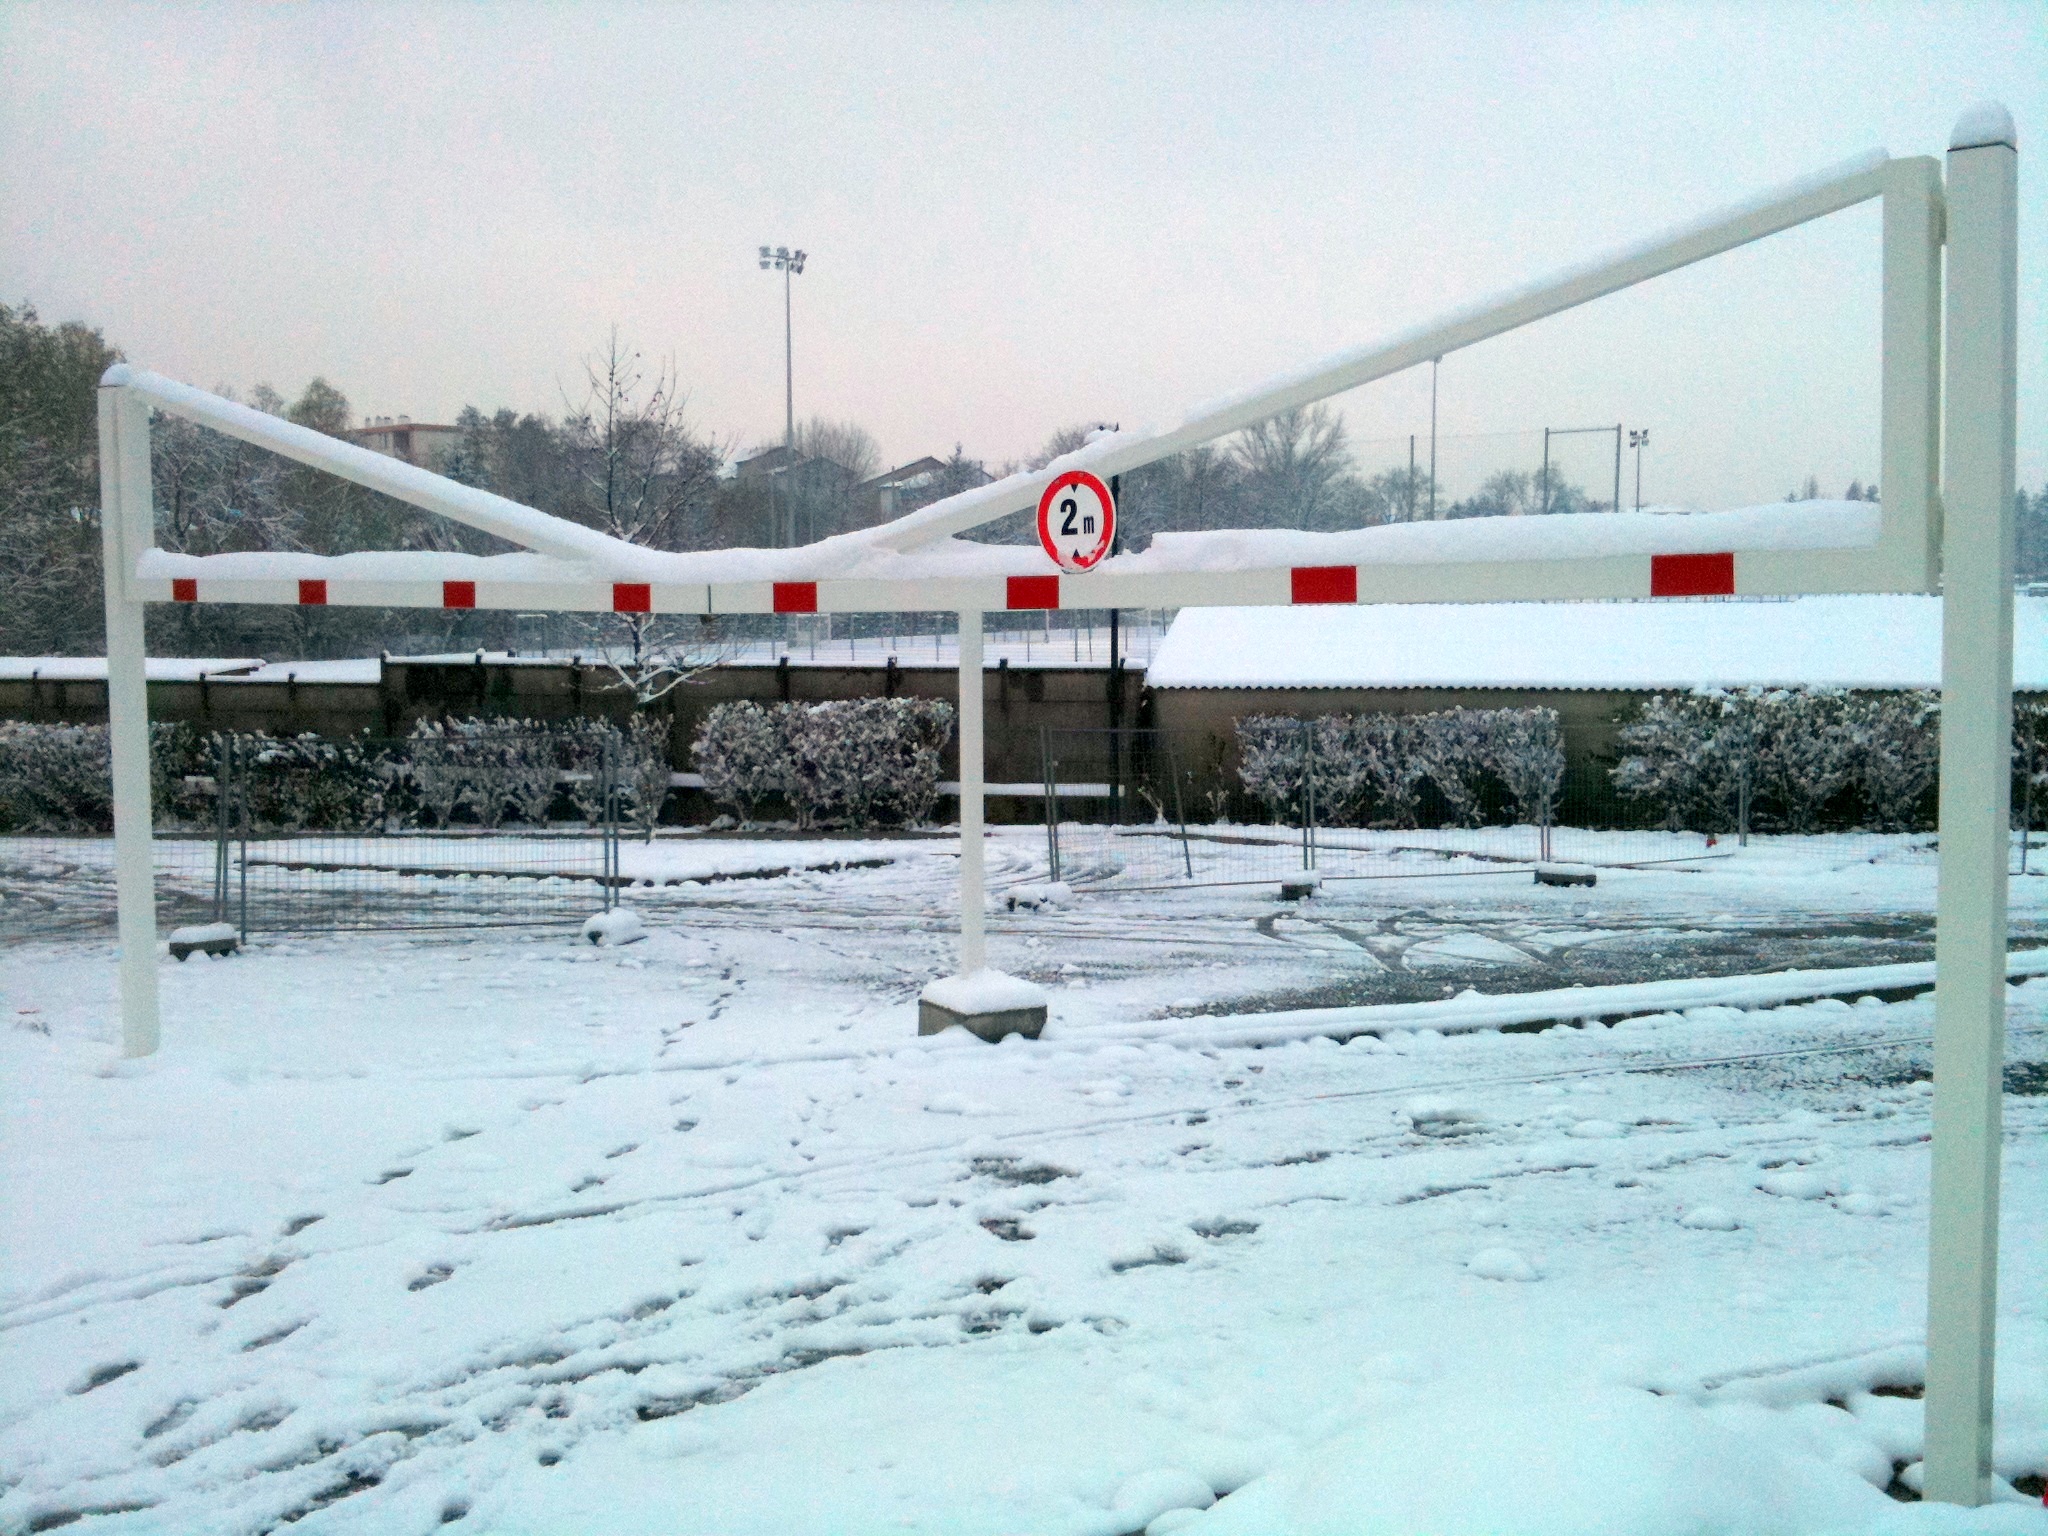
1138, 807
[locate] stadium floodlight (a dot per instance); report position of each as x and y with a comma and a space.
1639, 439
1948, 369
790, 264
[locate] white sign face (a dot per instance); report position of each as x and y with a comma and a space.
1076, 520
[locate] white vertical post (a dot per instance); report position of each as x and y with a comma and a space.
1976, 789
1909, 468
973, 944
127, 527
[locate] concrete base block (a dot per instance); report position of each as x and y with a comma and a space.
1028, 1022
1301, 889
203, 939
1565, 874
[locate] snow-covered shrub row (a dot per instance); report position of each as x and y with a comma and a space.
494, 769
1732, 758
1373, 769
57, 778
860, 762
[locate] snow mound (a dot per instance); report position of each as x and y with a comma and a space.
1594, 1130
1038, 898
1709, 1218
1432, 1116
1795, 1184
1144, 1498
621, 925
1591, 1461
1501, 1264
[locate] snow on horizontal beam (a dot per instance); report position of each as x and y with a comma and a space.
1774, 549
1860, 641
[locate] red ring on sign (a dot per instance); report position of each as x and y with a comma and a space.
1085, 560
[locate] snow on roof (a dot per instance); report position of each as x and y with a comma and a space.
350, 670
93, 669
1849, 642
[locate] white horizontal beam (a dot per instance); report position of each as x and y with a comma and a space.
1829, 191
465, 504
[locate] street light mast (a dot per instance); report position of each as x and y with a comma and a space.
1638, 439
789, 263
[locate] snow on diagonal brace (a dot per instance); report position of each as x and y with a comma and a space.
1830, 191
474, 508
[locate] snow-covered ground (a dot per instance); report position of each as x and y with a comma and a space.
694, 1234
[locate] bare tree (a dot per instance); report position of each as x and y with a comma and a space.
1292, 464
851, 446
636, 470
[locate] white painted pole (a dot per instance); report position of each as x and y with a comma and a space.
1976, 787
973, 943
126, 529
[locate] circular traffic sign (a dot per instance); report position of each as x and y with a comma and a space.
1076, 520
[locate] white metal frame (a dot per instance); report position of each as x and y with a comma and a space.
1956, 538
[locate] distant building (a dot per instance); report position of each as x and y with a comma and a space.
421, 443
887, 491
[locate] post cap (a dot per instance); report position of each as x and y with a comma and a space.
1985, 124
115, 377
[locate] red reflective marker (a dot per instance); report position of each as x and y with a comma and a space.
1692, 575
458, 594
1324, 584
632, 597
796, 597
1034, 592
184, 589
312, 594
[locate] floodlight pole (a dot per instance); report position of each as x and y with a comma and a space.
127, 527
973, 942
1976, 792
1433, 363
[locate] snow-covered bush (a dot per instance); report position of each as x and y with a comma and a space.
291, 783
436, 772
55, 778
863, 761
641, 765
741, 752
1526, 750
1808, 753
1694, 757
1898, 753
1392, 767
1274, 753
1721, 758
1456, 749
1272, 762
59, 778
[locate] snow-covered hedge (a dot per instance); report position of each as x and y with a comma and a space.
858, 762
1733, 758
57, 779
1373, 769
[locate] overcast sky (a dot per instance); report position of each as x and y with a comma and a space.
1018, 216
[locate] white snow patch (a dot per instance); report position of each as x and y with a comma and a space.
1587, 1461
621, 925
1795, 1184
1144, 1498
1501, 1264
1709, 1218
